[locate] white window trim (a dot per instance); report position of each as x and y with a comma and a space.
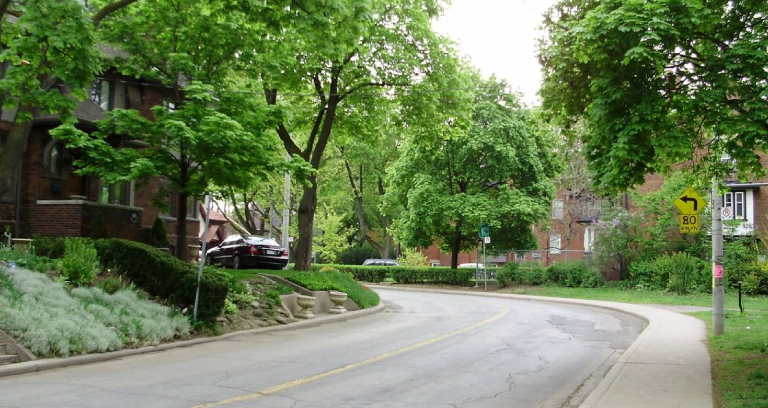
555, 243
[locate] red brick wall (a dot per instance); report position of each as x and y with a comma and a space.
77, 218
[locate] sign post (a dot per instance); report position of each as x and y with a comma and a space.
486, 236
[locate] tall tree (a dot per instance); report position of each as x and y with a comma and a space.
491, 164
335, 49
659, 82
48, 59
178, 42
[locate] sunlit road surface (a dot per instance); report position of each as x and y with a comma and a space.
425, 350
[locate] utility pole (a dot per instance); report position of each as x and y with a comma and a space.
718, 288
287, 211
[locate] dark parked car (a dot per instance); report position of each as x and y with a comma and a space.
380, 262
239, 251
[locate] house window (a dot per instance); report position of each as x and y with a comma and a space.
101, 93
557, 209
173, 204
554, 244
55, 158
734, 205
119, 193
589, 238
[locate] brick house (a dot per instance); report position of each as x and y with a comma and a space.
49, 199
746, 203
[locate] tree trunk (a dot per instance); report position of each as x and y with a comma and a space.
182, 251
303, 251
12, 150
456, 245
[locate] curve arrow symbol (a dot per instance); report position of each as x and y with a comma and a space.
695, 202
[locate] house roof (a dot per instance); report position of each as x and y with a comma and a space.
86, 111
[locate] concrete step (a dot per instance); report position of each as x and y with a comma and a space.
8, 359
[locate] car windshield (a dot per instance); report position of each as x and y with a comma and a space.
261, 241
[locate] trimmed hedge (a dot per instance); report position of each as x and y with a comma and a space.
374, 274
431, 274
166, 277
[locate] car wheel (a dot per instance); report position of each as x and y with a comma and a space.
236, 262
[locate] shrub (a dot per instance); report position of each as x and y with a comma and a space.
462, 277
641, 274
532, 273
357, 255
50, 247
574, 274
359, 272
412, 257
166, 277
111, 284
509, 273
158, 235
25, 260
47, 320
680, 273
80, 261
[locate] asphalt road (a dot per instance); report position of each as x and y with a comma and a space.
425, 350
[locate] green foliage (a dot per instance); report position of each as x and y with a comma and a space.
459, 171
574, 274
651, 77
361, 273
681, 273
111, 284
533, 273
166, 277
80, 262
331, 236
158, 235
24, 259
46, 319
508, 274
434, 275
356, 255
361, 295
50, 247
412, 257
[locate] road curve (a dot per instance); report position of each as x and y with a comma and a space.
425, 350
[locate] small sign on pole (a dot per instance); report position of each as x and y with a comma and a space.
487, 240
484, 231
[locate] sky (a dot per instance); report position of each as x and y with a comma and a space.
499, 37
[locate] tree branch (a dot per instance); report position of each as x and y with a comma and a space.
109, 9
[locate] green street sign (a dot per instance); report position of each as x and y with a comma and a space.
484, 232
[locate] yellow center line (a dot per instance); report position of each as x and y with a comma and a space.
302, 381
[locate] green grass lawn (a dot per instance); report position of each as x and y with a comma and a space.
739, 357
361, 295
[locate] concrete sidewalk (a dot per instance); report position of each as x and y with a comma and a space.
667, 366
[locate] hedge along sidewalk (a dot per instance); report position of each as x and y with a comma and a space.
667, 365
53, 363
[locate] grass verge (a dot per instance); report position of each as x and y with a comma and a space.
330, 280
739, 357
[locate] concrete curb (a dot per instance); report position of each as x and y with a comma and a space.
53, 363
667, 365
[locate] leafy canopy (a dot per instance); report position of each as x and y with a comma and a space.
659, 82
490, 163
